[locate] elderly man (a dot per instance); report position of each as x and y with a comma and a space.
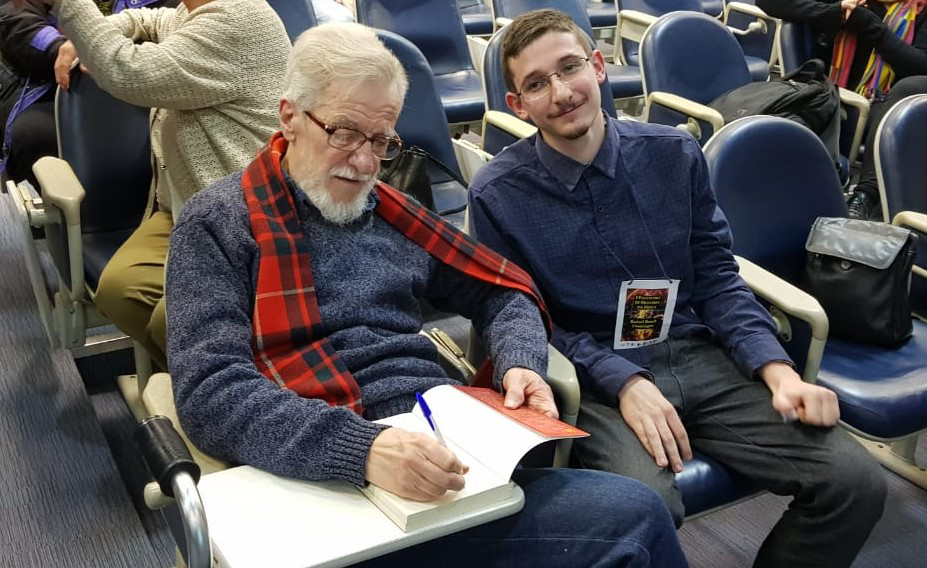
293, 294
618, 225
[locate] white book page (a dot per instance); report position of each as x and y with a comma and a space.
493, 438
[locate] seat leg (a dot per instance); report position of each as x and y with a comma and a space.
898, 456
132, 386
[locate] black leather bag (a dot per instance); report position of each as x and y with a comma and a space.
860, 272
408, 172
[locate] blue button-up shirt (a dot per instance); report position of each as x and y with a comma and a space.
642, 209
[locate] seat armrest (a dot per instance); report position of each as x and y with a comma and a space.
855, 100
62, 190
470, 157
561, 376
761, 20
690, 108
158, 399
632, 24
477, 46
511, 124
502, 22
791, 301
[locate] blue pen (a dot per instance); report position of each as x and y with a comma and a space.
429, 417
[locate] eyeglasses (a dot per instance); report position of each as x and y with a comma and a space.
539, 87
349, 139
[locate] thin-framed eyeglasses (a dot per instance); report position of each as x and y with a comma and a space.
539, 87
349, 139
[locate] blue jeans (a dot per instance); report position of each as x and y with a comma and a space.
571, 518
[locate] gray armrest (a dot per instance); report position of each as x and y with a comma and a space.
690, 108
855, 100
632, 24
511, 124
794, 302
61, 189
561, 376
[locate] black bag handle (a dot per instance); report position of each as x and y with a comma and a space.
446, 169
810, 70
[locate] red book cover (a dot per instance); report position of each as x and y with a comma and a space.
528, 417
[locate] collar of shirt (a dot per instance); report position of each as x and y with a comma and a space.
568, 171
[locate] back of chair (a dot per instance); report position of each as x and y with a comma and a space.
899, 153
297, 15
654, 8
477, 17
796, 45
691, 55
106, 142
773, 178
434, 26
573, 8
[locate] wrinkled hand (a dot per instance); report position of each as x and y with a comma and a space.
67, 54
413, 465
795, 399
655, 422
525, 387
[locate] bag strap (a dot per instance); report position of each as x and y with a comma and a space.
808, 71
449, 171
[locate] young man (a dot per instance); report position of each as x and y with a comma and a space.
293, 299
617, 224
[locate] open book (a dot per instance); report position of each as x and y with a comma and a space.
485, 436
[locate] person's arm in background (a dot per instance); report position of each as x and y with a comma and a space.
821, 15
28, 42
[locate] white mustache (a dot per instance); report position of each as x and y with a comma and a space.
349, 173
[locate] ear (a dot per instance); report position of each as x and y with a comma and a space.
517, 105
598, 65
288, 116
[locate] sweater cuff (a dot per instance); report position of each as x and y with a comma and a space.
609, 376
348, 450
757, 350
526, 358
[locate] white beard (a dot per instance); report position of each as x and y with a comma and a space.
339, 213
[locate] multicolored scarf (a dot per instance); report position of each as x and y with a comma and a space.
288, 347
878, 76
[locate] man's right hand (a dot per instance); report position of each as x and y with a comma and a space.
655, 422
413, 465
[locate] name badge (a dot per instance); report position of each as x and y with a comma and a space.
645, 312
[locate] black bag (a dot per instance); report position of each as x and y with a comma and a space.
805, 95
860, 272
408, 172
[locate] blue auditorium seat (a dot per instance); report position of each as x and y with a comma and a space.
693, 56
436, 29
422, 123
601, 14
477, 17
624, 80
773, 178
297, 15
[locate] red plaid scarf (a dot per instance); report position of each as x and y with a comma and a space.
286, 320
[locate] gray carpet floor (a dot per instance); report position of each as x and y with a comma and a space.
63, 501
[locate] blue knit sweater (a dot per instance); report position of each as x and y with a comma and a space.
369, 281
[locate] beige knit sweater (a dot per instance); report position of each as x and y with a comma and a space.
214, 75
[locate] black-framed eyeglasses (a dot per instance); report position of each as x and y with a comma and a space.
349, 139
539, 87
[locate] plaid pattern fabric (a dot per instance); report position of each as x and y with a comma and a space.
286, 319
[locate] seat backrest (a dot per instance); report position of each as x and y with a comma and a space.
106, 142
899, 153
434, 26
773, 178
297, 15
422, 121
654, 8
691, 55
796, 45
511, 9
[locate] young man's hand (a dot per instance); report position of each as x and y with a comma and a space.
795, 399
655, 421
413, 465
525, 387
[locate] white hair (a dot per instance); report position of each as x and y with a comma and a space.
339, 50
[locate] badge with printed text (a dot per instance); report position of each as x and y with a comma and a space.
645, 312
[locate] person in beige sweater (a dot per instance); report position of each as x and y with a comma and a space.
212, 71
